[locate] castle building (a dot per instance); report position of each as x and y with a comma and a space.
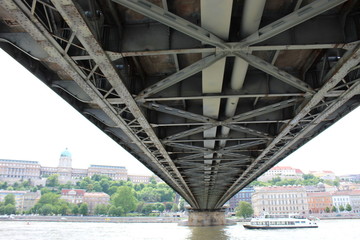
14, 170
19, 169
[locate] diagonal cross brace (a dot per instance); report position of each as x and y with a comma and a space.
169, 19
289, 21
179, 76
210, 123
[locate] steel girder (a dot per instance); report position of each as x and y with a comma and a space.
272, 118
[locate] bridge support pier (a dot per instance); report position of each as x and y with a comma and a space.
207, 218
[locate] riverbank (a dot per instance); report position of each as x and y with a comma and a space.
105, 219
92, 219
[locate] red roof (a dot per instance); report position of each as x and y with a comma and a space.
299, 171
77, 192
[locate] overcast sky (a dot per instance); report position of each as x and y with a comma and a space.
36, 124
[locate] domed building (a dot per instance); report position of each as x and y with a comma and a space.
65, 159
13, 170
64, 168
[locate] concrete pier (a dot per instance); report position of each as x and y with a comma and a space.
206, 218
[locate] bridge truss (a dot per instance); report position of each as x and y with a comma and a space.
207, 94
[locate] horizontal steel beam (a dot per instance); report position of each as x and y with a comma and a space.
291, 20
212, 50
275, 72
179, 76
169, 19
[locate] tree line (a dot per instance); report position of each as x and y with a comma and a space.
307, 180
126, 198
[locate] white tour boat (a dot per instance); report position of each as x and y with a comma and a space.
276, 221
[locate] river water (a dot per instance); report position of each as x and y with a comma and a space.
328, 229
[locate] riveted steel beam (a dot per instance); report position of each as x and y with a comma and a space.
169, 19
349, 60
275, 72
178, 112
263, 110
291, 20
179, 76
212, 50
78, 25
229, 122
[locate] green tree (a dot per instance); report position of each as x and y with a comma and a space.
308, 176
334, 209
152, 180
101, 209
175, 207
2, 209
46, 209
49, 198
160, 207
97, 187
52, 181
9, 209
348, 207
83, 209
112, 190
149, 194
148, 208
105, 185
182, 204
9, 199
327, 209
168, 206
341, 208
125, 198
244, 209
64, 209
75, 210
116, 211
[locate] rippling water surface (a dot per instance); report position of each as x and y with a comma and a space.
329, 229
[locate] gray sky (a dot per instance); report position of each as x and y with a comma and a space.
36, 124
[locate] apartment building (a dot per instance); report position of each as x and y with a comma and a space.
280, 200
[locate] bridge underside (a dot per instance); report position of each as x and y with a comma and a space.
207, 94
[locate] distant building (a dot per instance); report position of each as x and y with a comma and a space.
319, 201
355, 201
19, 170
326, 175
73, 195
25, 200
15, 170
321, 187
280, 200
95, 198
341, 198
114, 172
283, 172
351, 177
244, 195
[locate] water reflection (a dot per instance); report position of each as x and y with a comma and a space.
206, 233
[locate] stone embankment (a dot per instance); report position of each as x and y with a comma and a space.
92, 219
